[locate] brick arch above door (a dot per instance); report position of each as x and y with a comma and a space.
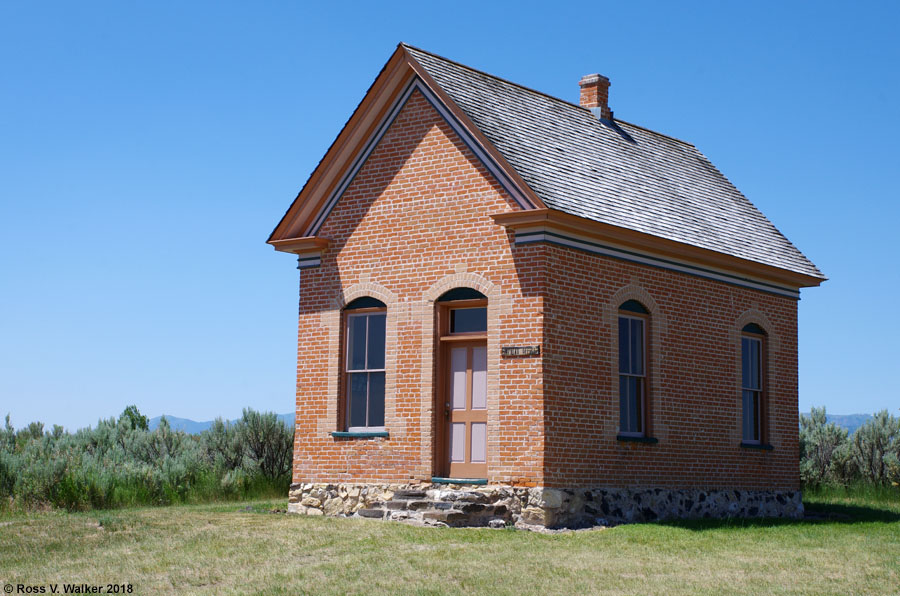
498, 306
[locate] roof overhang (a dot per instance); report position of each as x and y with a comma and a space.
400, 76
556, 227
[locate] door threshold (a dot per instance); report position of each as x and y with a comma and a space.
442, 480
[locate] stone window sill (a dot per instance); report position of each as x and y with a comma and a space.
359, 434
631, 439
756, 446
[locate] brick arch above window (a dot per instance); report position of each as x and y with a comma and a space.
657, 324
757, 317
331, 320
633, 291
362, 290
462, 280
772, 346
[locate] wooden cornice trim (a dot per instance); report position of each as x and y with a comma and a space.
352, 137
363, 123
475, 132
300, 245
653, 246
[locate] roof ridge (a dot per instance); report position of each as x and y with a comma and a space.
656, 132
487, 74
532, 90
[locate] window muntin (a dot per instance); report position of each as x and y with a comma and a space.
632, 375
751, 388
364, 368
468, 320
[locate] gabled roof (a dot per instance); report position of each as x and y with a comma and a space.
614, 172
558, 160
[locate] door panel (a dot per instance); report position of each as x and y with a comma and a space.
458, 373
479, 442
458, 442
479, 378
466, 409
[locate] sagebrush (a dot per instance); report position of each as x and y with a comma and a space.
122, 463
831, 456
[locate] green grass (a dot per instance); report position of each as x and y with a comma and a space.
241, 548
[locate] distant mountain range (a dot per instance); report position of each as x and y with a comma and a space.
849, 421
193, 427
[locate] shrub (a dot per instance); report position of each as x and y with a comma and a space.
875, 447
122, 463
819, 440
269, 443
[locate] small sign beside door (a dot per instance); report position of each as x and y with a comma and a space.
507, 351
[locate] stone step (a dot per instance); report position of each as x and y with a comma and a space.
449, 517
408, 495
374, 513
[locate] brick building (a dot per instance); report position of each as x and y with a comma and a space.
516, 308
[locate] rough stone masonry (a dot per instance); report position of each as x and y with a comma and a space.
500, 506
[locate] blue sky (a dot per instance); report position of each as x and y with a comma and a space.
148, 149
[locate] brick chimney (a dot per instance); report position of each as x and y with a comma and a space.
595, 95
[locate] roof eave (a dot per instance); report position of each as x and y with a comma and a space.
353, 136
298, 246
657, 246
327, 173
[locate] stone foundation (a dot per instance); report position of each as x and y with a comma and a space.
498, 505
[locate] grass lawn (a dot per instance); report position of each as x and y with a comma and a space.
228, 549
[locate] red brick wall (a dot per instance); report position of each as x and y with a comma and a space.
695, 402
417, 213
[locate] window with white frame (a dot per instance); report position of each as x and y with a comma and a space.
633, 318
364, 364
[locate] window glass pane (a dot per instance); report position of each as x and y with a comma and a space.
637, 346
630, 389
751, 415
623, 404
356, 343
754, 408
624, 365
468, 320
637, 423
376, 399
357, 401
745, 362
754, 364
746, 431
750, 363
376, 342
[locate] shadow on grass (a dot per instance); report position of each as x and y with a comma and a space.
816, 513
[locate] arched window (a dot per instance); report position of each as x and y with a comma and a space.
364, 322
752, 389
466, 311
633, 321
